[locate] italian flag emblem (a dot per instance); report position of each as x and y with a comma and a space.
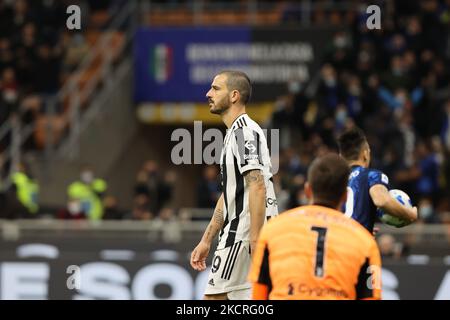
161, 63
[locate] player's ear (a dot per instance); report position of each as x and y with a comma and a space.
366, 155
234, 96
308, 191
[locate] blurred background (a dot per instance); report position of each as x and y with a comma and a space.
93, 207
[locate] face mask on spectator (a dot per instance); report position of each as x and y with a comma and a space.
87, 176
341, 115
397, 71
294, 87
78, 40
74, 207
400, 98
330, 82
340, 42
425, 211
354, 90
10, 96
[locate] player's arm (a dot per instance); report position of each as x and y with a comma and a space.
200, 253
383, 200
259, 275
369, 279
257, 203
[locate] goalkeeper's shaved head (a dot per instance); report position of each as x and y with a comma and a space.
328, 178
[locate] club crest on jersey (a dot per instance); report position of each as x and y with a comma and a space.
250, 145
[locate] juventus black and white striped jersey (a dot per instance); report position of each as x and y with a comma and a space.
245, 148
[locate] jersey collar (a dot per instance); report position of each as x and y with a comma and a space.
234, 125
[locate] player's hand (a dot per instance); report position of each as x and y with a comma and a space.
199, 255
415, 214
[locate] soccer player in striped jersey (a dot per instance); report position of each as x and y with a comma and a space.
368, 189
248, 197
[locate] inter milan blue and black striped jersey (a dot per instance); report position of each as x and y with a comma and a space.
245, 148
359, 205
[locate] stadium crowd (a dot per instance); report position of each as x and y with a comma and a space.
38, 55
395, 84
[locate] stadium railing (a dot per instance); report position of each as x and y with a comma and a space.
421, 239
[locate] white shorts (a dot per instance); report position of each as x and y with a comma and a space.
229, 272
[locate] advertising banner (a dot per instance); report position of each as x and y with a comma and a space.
178, 64
146, 271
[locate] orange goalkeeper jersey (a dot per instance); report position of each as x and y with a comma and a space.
314, 252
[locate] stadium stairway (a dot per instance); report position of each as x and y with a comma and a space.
116, 145
105, 130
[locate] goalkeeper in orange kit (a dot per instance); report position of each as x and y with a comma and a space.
315, 251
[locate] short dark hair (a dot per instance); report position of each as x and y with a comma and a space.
238, 80
328, 178
351, 142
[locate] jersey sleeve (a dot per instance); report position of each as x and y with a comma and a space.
259, 274
378, 177
247, 149
369, 279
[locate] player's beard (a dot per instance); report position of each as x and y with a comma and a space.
221, 106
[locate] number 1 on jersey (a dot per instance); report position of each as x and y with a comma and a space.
320, 250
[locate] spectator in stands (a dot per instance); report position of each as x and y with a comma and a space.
12, 208
330, 92
75, 49
9, 91
141, 186
89, 191
73, 211
445, 127
141, 208
6, 54
428, 166
167, 214
426, 211
396, 77
208, 189
289, 113
389, 248
112, 211
167, 189
26, 56
20, 16
27, 190
396, 90
47, 70
17, 200
156, 185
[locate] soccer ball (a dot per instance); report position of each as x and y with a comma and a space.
386, 218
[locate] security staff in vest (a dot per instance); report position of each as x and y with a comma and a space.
89, 191
26, 189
